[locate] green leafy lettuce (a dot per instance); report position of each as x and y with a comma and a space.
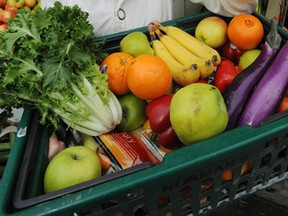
49, 60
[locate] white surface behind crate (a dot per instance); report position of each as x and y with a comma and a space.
17, 114
182, 8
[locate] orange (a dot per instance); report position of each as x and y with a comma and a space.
149, 77
117, 64
283, 105
245, 31
227, 175
104, 161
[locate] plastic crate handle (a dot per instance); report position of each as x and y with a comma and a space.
274, 117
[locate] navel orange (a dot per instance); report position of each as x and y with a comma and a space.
149, 77
117, 64
245, 31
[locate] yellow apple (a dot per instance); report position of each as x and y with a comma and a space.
30, 3
16, 3
248, 57
212, 31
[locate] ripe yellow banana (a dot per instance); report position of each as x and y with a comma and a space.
183, 75
184, 56
179, 52
206, 68
199, 48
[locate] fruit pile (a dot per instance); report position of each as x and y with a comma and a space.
177, 89
201, 66
9, 8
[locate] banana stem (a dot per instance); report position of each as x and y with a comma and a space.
153, 26
152, 36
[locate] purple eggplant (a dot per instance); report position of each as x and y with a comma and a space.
238, 92
269, 91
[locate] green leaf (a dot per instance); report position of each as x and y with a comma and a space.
20, 27
56, 75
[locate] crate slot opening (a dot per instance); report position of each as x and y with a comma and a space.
265, 160
271, 142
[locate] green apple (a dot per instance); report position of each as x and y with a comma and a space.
136, 43
198, 112
71, 166
212, 31
133, 112
89, 142
248, 57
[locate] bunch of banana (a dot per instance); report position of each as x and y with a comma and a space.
191, 43
184, 48
182, 74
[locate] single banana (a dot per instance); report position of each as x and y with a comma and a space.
183, 75
179, 52
194, 45
206, 68
184, 56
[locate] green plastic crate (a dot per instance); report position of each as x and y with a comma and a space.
174, 186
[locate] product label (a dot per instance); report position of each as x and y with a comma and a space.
125, 148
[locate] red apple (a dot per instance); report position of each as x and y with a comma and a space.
11, 8
231, 52
3, 27
3, 3
30, 3
16, 3
5, 16
212, 31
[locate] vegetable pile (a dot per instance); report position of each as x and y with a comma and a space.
49, 59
